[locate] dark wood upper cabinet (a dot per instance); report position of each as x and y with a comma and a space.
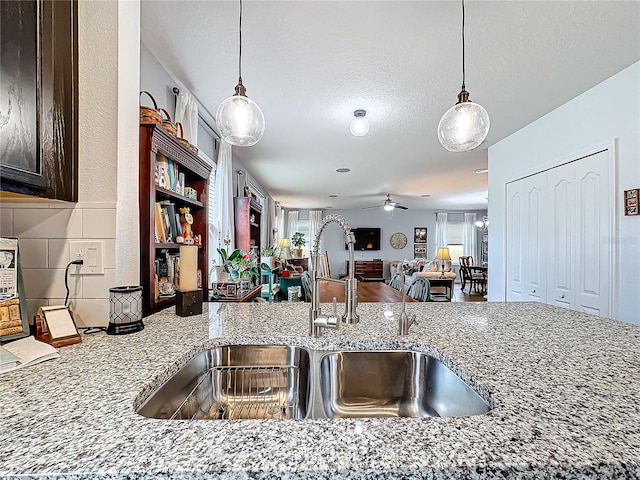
39, 98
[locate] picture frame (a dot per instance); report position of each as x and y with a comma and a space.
420, 251
632, 202
232, 290
420, 235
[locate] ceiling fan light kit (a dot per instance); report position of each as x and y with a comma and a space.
465, 125
359, 126
389, 205
239, 119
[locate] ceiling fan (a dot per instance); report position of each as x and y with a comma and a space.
389, 204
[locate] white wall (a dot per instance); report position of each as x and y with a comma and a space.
609, 113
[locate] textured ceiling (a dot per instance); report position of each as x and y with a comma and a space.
310, 64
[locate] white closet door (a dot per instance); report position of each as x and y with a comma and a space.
561, 238
536, 237
526, 231
594, 217
515, 204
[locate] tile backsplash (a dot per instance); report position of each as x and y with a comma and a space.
44, 231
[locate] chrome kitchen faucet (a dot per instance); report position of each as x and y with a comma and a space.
316, 320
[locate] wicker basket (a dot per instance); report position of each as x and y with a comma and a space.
148, 114
167, 124
193, 149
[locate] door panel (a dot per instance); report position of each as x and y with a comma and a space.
561, 253
515, 237
535, 260
594, 218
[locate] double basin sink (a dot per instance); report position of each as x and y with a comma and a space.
283, 381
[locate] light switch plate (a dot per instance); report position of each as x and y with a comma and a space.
91, 253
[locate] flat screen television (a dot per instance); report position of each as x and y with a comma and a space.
366, 239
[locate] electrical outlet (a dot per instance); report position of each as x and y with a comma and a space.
91, 254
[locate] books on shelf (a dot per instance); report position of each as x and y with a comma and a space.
167, 174
25, 352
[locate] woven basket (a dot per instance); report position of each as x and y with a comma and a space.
193, 149
167, 124
148, 114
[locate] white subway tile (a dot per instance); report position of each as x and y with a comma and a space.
109, 260
6, 222
33, 253
97, 286
59, 252
47, 223
91, 312
98, 223
49, 283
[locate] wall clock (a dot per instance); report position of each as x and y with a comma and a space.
398, 240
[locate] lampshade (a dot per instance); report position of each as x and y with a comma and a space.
239, 119
465, 125
359, 125
285, 248
482, 224
443, 254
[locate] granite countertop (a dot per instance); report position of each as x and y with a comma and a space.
565, 387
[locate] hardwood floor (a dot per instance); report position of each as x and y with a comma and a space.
460, 296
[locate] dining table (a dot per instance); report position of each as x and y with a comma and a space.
367, 292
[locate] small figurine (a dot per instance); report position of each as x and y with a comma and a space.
186, 220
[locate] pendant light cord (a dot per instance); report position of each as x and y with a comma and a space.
463, 71
240, 50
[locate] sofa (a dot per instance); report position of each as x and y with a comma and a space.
420, 267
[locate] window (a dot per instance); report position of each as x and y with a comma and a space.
454, 240
303, 227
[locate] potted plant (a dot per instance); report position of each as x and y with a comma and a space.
242, 265
298, 241
267, 256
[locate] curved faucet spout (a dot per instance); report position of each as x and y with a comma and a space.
351, 284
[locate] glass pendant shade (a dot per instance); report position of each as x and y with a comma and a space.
463, 127
388, 207
240, 121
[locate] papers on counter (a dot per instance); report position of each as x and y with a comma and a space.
23, 353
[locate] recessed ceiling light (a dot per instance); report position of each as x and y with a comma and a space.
481, 170
333, 196
425, 195
343, 170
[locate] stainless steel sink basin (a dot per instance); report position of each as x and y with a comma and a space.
236, 382
393, 383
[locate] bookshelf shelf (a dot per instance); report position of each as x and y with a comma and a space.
166, 170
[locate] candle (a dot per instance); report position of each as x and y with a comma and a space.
188, 268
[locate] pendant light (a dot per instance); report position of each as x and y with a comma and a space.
465, 125
359, 126
240, 120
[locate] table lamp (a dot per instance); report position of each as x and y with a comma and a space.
442, 255
285, 248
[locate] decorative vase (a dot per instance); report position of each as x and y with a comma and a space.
271, 261
235, 275
297, 252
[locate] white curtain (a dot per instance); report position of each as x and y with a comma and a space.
187, 115
315, 220
469, 235
292, 223
279, 224
224, 227
266, 230
441, 230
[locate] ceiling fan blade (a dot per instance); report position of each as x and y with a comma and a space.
372, 206
401, 207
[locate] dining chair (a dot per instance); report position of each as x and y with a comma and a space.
305, 279
396, 283
419, 289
